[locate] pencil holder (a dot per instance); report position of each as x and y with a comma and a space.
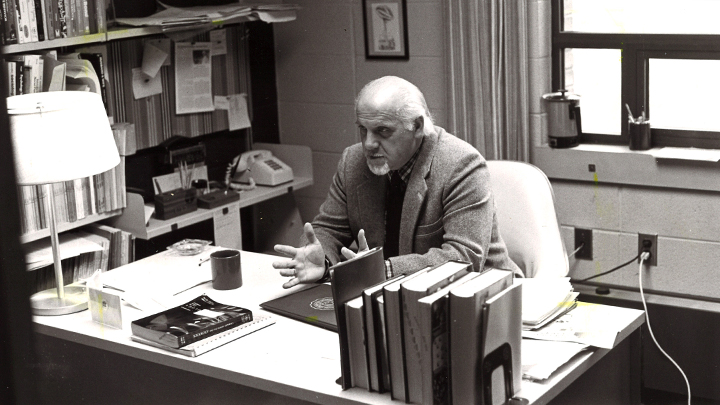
640, 136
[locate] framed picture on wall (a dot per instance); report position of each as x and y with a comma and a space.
386, 33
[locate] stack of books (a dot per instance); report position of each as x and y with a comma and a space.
423, 337
197, 326
85, 250
26, 21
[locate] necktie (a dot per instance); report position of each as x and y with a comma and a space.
393, 211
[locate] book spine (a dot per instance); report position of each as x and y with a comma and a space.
394, 333
436, 353
12, 78
21, 18
101, 15
48, 19
85, 17
412, 336
79, 199
38, 9
357, 349
99, 181
32, 23
62, 14
185, 340
19, 77
70, 17
383, 347
9, 32
92, 202
70, 201
370, 343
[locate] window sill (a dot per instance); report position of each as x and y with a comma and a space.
615, 164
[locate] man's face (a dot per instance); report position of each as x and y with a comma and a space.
387, 144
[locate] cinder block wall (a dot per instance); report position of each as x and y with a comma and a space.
321, 65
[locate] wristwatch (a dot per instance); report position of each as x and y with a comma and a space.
326, 277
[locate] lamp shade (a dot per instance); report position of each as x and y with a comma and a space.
60, 136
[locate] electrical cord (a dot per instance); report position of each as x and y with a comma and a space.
576, 250
609, 271
644, 256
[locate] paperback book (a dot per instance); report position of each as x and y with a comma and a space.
190, 322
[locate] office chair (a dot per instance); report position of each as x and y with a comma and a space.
527, 221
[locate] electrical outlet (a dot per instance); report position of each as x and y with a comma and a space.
583, 237
652, 240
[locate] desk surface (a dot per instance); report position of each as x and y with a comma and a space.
288, 358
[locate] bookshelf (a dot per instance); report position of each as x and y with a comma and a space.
154, 117
66, 226
113, 34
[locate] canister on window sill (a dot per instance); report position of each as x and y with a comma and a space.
640, 136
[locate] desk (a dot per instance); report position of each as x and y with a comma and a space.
288, 362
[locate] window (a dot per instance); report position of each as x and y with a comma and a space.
660, 57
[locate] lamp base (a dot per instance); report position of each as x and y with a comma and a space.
47, 302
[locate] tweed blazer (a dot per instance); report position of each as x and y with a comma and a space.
448, 211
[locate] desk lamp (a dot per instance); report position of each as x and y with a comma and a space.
56, 137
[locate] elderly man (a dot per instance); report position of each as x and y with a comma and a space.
409, 186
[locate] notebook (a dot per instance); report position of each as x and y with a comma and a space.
313, 305
205, 345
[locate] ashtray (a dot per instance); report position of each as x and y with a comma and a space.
189, 247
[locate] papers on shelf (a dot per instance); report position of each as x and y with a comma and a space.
176, 18
591, 324
708, 155
39, 253
540, 358
544, 299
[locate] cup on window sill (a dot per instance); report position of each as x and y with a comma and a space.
640, 136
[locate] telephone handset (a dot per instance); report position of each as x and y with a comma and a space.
261, 167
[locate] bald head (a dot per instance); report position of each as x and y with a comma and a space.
397, 98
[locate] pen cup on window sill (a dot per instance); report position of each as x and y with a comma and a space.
640, 137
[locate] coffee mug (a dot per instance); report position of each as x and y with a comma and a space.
226, 270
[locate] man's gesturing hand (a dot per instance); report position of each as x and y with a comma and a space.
363, 248
308, 262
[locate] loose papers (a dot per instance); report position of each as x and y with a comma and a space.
193, 77
591, 324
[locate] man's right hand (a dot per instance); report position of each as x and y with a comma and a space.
308, 262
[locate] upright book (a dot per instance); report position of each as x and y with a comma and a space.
191, 322
412, 291
357, 348
392, 302
435, 343
375, 337
349, 279
466, 325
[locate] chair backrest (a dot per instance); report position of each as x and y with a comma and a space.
527, 221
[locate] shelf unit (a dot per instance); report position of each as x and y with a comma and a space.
115, 33
66, 226
298, 157
131, 219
